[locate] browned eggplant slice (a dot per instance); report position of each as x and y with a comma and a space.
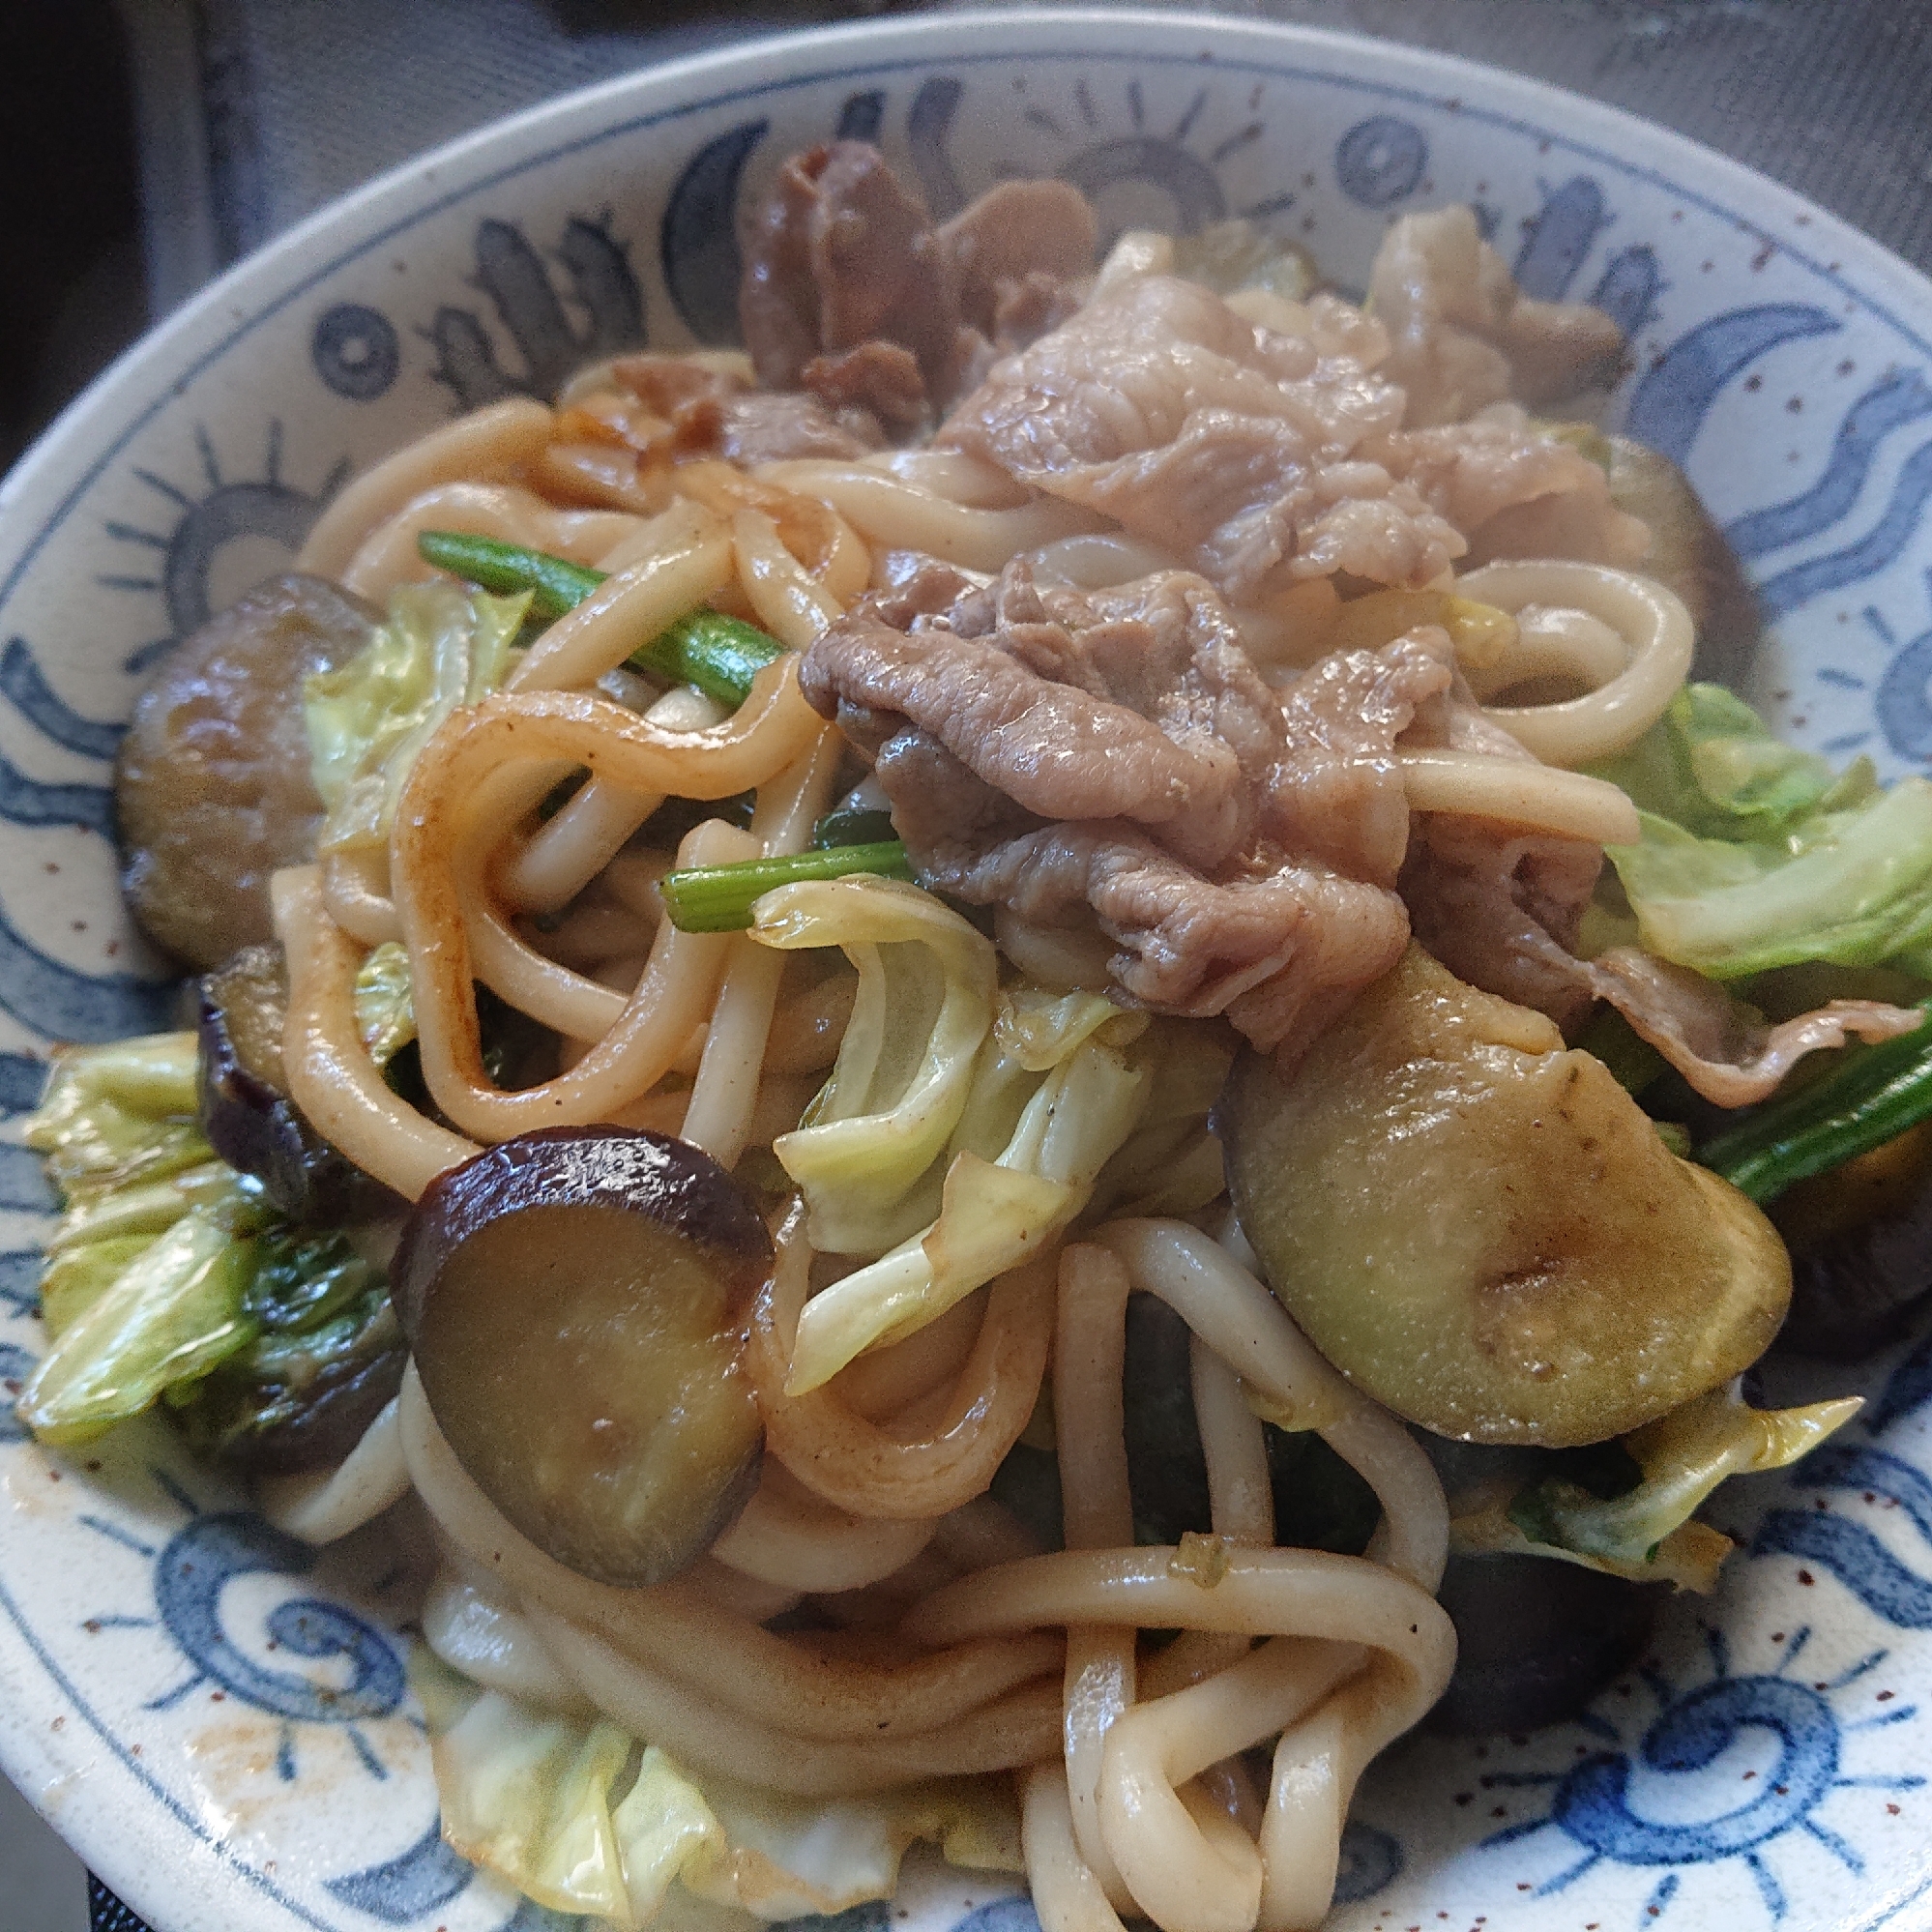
211, 789
578, 1302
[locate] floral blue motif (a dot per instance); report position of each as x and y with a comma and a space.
1591, 1803
190, 1574
509, 271
1556, 240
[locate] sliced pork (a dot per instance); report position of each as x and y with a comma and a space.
851, 292
1113, 756
1462, 336
1260, 457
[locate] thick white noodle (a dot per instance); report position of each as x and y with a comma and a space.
1650, 619
488, 446
327, 1504
1539, 797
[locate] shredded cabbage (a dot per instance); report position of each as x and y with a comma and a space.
385, 1002
865, 1156
1754, 855
1710, 765
441, 646
1647, 1533
583, 1818
965, 1125
167, 1276
118, 1114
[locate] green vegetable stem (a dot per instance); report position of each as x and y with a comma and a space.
555, 584
719, 654
1870, 1099
719, 898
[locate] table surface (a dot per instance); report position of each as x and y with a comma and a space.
253, 113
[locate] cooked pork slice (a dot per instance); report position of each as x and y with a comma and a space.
1113, 757
1021, 256
713, 412
1462, 336
1258, 455
851, 291
844, 252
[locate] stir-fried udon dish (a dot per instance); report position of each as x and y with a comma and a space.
1037, 1056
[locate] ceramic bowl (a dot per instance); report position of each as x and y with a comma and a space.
216, 1716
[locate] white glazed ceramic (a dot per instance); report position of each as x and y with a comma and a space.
218, 1719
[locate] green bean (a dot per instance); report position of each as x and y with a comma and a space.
1873, 1097
555, 584
719, 654
719, 898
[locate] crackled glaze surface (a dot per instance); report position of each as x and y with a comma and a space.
216, 1717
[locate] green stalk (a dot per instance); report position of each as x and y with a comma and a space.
555, 584
1869, 1100
719, 654
719, 898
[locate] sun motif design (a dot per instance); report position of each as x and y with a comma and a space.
186, 573
356, 1676
1152, 177
1590, 1803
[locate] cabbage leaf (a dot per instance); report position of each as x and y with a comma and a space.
998, 1204
965, 1125
441, 646
167, 1276
385, 1002
583, 1818
1753, 854
864, 1157
1647, 1533
1711, 767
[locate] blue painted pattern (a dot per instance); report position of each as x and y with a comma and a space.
30, 694
406, 1888
531, 326
1559, 236
1380, 161
1677, 394
200, 1561
1881, 545
355, 351
698, 237
1371, 1862
20, 1280
22, 1078
27, 801
15, 1365
66, 1004
1629, 288
1900, 397
509, 270
1590, 1803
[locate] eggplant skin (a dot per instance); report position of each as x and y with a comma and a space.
211, 787
578, 1302
628, 1169
1536, 1640
270, 1424
246, 1110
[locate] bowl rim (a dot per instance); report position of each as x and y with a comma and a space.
52, 478
249, 286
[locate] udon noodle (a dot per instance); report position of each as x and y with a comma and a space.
1185, 1722
1138, 1796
